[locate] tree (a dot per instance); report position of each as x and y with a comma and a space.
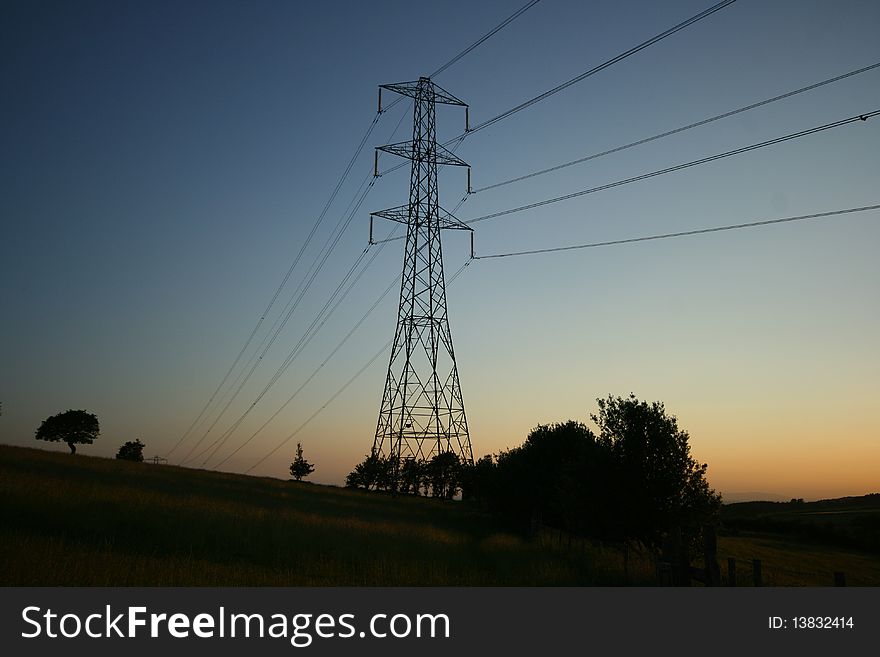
71, 427
411, 477
443, 473
633, 483
442, 476
556, 478
374, 472
300, 467
477, 480
658, 484
132, 450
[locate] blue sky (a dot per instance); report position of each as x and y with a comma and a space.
163, 163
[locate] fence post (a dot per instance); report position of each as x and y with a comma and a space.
756, 572
839, 579
673, 553
731, 571
710, 558
664, 573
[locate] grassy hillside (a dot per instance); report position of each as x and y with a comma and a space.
90, 521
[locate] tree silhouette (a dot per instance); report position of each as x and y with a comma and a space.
132, 450
412, 476
300, 467
443, 473
374, 472
633, 483
477, 480
557, 477
440, 477
71, 427
657, 482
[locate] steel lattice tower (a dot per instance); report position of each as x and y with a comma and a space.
422, 411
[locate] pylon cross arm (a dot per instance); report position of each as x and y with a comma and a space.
401, 214
410, 151
414, 89
448, 220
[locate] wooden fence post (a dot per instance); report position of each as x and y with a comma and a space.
839, 579
664, 573
712, 576
756, 572
731, 571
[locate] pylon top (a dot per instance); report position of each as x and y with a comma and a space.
420, 87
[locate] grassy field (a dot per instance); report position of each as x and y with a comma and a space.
83, 521
789, 563
804, 543
88, 521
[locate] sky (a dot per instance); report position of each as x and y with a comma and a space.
163, 163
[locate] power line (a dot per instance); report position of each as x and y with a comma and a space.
507, 21
342, 389
325, 405
319, 320
641, 142
685, 233
284, 280
305, 383
604, 65
313, 329
319, 264
489, 34
290, 307
585, 74
222, 383
679, 167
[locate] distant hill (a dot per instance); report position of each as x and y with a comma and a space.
852, 522
752, 496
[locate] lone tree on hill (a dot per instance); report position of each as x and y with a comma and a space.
133, 450
71, 427
300, 467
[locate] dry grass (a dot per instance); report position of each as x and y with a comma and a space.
787, 563
81, 521
96, 522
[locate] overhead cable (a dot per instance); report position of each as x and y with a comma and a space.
678, 167
684, 233
668, 133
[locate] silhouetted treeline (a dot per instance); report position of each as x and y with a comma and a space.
442, 476
634, 482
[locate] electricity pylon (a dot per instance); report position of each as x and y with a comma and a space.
422, 412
